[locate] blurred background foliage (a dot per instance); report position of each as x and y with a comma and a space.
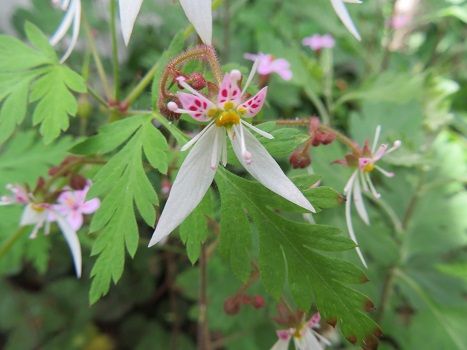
412, 81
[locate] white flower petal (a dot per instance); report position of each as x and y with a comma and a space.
73, 242
64, 26
199, 13
31, 216
348, 217
266, 170
344, 16
75, 33
322, 339
192, 182
281, 344
307, 342
358, 201
195, 139
129, 10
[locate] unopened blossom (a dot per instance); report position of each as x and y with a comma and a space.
73, 205
305, 337
269, 64
318, 42
198, 12
41, 216
343, 14
226, 119
365, 162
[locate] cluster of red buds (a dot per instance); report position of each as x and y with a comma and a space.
64, 169
300, 158
233, 304
174, 71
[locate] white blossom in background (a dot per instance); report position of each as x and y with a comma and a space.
343, 14
225, 118
304, 337
198, 12
365, 162
41, 215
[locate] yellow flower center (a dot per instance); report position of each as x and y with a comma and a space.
37, 207
369, 168
228, 118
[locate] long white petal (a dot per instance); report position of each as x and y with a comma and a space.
72, 240
192, 182
64, 26
199, 13
348, 219
196, 138
281, 344
344, 16
358, 201
322, 339
129, 10
76, 26
266, 170
307, 342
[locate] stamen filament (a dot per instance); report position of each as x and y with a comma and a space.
196, 138
384, 172
375, 193
258, 130
250, 76
376, 139
245, 154
215, 151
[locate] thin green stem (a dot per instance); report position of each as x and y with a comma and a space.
97, 97
142, 85
97, 59
328, 65
319, 105
176, 132
6, 246
113, 31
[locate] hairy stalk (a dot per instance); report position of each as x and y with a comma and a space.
113, 31
204, 337
389, 35
226, 28
97, 59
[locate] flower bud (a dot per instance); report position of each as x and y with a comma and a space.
166, 112
197, 81
258, 302
78, 182
300, 159
231, 306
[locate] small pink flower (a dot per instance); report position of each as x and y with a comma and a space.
19, 195
318, 42
72, 205
269, 64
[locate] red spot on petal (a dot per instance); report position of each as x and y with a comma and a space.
197, 114
234, 93
224, 93
193, 108
198, 103
254, 106
205, 105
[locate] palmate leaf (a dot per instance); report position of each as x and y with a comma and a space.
294, 251
34, 75
125, 188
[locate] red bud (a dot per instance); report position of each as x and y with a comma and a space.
299, 159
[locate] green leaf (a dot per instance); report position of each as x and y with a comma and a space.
56, 103
125, 189
285, 140
33, 74
294, 251
194, 230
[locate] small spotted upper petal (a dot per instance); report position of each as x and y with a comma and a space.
229, 90
196, 106
254, 104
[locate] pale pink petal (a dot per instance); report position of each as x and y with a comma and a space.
195, 106
75, 219
363, 162
282, 68
191, 184
229, 90
254, 104
90, 206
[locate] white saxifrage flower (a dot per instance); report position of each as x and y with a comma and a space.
209, 148
343, 14
198, 12
365, 163
305, 337
42, 215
